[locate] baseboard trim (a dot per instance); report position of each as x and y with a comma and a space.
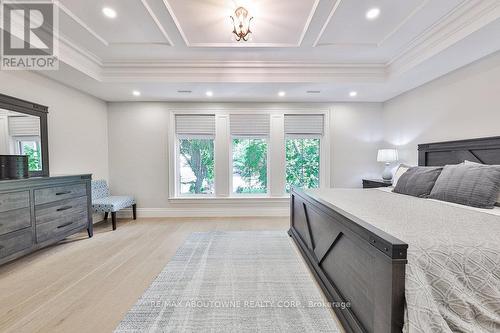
207, 212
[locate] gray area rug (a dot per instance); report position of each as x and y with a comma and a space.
243, 281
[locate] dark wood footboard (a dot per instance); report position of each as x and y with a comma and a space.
355, 264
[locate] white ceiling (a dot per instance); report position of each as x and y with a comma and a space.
161, 46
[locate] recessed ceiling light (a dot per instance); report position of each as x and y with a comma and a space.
353, 93
136, 93
209, 93
373, 13
281, 94
109, 12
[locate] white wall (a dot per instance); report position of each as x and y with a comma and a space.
78, 133
356, 135
464, 104
138, 156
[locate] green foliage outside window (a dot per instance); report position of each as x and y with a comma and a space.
34, 159
249, 166
199, 156
302, 163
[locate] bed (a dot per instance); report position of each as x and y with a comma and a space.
402, 263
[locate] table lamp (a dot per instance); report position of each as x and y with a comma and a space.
387, 156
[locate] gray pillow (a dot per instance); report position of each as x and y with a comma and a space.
418, 181
468, 184
469, 162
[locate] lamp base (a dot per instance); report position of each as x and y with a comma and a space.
387, 174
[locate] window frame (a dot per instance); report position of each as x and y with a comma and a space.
223, 148
231, 177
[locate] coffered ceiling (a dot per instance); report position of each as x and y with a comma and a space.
159, 47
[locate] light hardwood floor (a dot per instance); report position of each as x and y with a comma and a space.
87, 285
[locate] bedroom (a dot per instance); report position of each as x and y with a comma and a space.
203, 137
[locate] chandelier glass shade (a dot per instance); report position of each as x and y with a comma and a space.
241, 22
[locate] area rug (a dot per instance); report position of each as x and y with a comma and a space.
243, 281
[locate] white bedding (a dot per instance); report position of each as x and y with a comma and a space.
453, 271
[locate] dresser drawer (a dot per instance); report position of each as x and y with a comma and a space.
60, 211
61, 227
14, 220
14, 200
15, 242
52, 194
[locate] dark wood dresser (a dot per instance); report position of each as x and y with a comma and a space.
37, 212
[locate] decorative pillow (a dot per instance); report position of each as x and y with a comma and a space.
468, 184
472, 163
402, 168
418, 181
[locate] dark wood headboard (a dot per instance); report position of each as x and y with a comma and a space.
483, 150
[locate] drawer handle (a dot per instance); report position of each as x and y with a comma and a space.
63, 193
64, 208
64, 225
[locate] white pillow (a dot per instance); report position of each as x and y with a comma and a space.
402, 168
472, 163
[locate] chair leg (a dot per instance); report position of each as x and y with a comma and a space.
106, 216
113, 219
134, 211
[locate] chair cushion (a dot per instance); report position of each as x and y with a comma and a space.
112, 204
100, 189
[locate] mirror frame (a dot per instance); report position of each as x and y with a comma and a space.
37, 110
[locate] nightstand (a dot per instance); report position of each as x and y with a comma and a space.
374, 183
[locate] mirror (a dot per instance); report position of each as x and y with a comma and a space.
23, 131
20, 135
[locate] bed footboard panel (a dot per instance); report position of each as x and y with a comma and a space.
361, 271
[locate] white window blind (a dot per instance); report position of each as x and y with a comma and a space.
312, 124
24, 126
195, 125
250, 125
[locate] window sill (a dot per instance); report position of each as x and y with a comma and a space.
233, 199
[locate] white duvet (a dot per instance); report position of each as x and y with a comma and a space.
453, 270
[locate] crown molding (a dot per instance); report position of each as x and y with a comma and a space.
465, 19
230, 71
80, 59
468, 17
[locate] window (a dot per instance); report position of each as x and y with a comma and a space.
196, 166
250, 134
249, 166
246, 154
302, 151
195, 154
31, 147
302, 163
25, 134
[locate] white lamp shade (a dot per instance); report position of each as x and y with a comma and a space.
387, 155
